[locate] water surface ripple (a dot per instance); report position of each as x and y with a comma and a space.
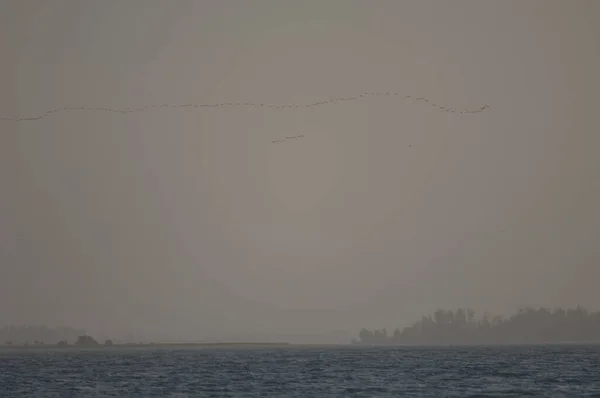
303, 372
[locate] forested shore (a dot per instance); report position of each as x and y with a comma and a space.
461, 326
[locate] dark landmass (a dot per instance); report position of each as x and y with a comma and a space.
527, 326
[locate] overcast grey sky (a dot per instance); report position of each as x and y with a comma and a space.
190, 221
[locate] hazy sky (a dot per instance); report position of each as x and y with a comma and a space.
190, 221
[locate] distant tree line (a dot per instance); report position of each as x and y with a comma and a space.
528, 325
37, 335
25, 336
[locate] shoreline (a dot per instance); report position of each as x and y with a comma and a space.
143, 345
277, 345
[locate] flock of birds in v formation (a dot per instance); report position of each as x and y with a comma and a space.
254, 105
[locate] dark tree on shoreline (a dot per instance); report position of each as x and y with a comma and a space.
86, 341
528, 325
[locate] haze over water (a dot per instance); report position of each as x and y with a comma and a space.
191, 223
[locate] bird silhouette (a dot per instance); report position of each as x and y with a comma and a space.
248, 104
